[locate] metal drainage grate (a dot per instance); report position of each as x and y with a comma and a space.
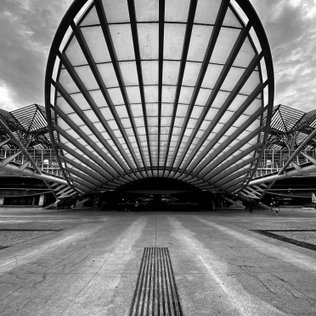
156, 291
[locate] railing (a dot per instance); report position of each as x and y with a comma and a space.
274, 160
44, 159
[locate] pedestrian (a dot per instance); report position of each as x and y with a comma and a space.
276, 207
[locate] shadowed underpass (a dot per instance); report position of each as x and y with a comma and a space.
90, 262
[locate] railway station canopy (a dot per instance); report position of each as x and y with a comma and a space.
176, 88
28, 124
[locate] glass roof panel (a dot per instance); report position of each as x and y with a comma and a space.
173, 41
108, 75
150, 72
199, 42
74, 53
230, 19
225, 42
170, 72
122, 40
147, 10
206, 11
148, 40
87, 77
177, 10
151, 93
191, 73
96, 43
67, 82
116, 11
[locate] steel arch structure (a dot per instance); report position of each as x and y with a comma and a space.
169, 88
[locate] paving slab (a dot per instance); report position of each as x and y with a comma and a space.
90, 264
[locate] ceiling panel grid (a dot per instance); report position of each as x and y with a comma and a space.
171, 88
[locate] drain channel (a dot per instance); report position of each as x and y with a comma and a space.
156, 291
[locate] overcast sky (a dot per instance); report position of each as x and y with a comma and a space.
27, 28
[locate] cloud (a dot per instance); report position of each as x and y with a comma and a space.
291, 30
26, 31
27, 28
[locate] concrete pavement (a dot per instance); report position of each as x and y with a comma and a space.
87, 262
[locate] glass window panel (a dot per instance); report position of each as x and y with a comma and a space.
203, 96
182, 110
75, 118
113, 125
107, 113
74, 53
91, 116
64, 106
152, 121
191, 73
121, 111
137, 110
245, 55
170, 72
108, 75
62, 124
151, 93
179, 121
168, 94
230, 19
237, 102
173, 41
126, 123
186, 94
226, 116
152, 109
251, 83
96, 43
117, 11
165, 121
212, 73
98, 98
133, 94
81, 101
253, 107
177, 10
241, 120
148, 40
139, 121
225, 42
199, 42
167, 109
87, 77
206, 11
66, 81
141, 130
150, 72
147, 10
231, 130
204, 125
122, 40
91, 18
191, 123
220, 99
116, 96
232, 78
197, 110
